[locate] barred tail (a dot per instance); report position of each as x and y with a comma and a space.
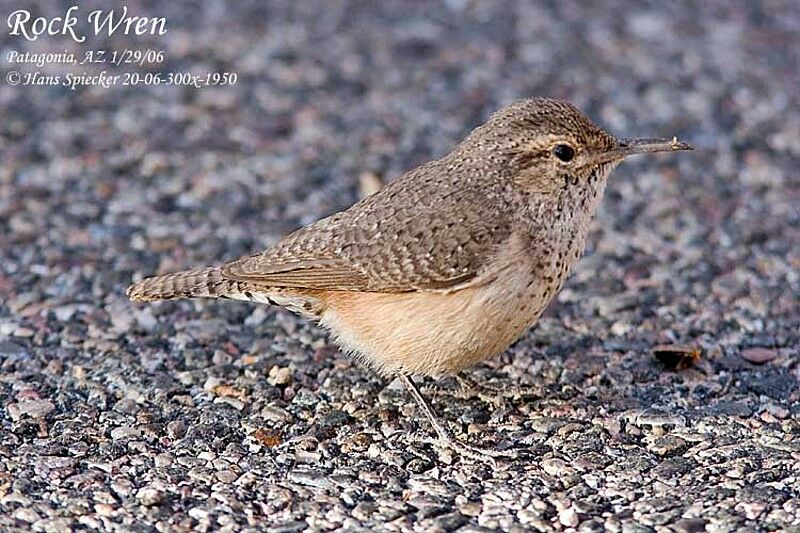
197, 283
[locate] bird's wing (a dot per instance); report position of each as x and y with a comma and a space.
434, 242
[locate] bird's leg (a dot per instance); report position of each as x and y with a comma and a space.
444, 434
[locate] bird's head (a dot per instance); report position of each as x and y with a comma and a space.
550, 145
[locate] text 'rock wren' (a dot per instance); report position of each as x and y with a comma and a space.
450, 263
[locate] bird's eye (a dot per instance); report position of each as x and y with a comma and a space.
564, 152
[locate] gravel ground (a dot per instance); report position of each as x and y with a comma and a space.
226, 415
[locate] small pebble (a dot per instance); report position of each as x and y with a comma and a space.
568, 517
176, 429
279, 376
125, 432
759, 356
149, 497
31, 408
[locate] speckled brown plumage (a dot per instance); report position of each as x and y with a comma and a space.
414, 277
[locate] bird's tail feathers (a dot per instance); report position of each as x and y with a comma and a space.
196, 283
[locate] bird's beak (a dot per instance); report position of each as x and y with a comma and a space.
625, 147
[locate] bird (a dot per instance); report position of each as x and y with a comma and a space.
448, 264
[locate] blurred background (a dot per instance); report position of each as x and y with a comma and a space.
115, 413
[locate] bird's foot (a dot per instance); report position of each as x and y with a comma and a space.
447, 439
490, 456
493, 393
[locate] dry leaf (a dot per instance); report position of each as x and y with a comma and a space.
677, 357
266, 437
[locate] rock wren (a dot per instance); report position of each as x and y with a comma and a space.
448, 264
